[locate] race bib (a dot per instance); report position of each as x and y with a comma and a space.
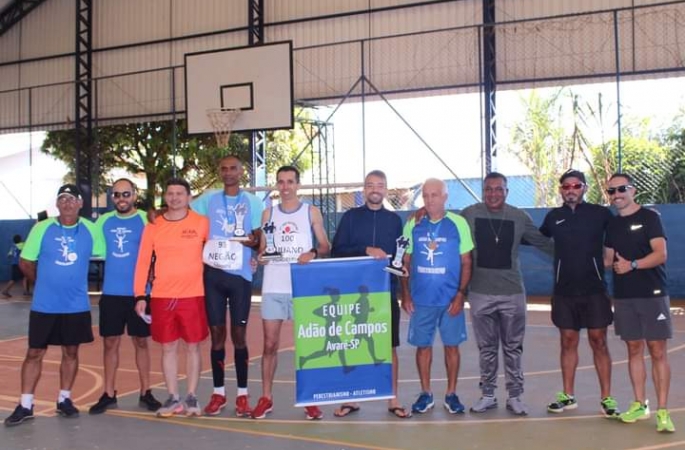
223, 254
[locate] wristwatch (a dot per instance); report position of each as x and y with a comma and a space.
315, 251
633, 264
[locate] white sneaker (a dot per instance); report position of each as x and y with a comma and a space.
484, 403
517, 406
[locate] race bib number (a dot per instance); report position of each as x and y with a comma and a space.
223, 254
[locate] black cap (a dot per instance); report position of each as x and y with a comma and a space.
69, 189
572, 173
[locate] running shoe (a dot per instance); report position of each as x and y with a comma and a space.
564, 402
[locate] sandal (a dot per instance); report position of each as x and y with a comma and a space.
400, 412
345, 410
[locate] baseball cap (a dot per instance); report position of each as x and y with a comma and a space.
69, 189
572, 173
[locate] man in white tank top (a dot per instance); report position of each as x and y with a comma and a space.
295, 224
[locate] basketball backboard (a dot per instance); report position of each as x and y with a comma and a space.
258, 80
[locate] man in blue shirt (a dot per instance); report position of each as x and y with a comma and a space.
122, 230
57, 256
438, 261
372, 230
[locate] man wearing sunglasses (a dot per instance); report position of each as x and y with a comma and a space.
580, 299
636, 250
122, 230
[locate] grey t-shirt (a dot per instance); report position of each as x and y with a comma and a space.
497, 237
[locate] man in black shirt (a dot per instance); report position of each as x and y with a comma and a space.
636, 249
580, 299
371, 230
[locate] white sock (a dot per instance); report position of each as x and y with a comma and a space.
63, 395
220, 390
242, 391
27, 401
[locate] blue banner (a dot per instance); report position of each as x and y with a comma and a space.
342, 325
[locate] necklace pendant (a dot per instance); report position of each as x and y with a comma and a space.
432, 245
496, 239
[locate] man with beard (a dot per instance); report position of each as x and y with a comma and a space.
372, 230
636, 249
580, 299
122, 230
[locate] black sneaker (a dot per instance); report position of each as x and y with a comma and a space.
149, 401
19, 415
67, 409
106, 402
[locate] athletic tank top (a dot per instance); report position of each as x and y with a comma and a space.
293, 236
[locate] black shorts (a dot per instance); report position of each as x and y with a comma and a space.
118, 312
59, 329
395, 329
643, 318
587, 311
222, 288
17, 274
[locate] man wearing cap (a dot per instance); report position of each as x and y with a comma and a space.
580, 299
57, 256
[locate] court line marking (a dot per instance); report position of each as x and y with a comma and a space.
196, 424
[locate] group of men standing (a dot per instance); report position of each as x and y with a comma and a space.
182, 271
449, 262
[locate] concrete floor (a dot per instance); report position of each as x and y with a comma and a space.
371, 428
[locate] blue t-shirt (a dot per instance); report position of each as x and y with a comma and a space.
15, 251
222, 211
436, 249
122, 239
63, 256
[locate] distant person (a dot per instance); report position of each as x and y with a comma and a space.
15, 271
171, 248
372, 230
295, 225
57, 256
438, 261
580, 298
496, 294
233, 214
122, 230
636, 250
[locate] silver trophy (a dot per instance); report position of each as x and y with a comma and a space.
395, 266
239, 212
270, 252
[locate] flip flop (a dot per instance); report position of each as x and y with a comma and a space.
400, 412
345, 410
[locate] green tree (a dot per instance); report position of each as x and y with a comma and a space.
541, 143
153, 149
643, 157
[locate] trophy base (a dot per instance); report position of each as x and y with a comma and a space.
272, 257
395, 271
239, 238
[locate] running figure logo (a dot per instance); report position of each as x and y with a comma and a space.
430, 252
120, 234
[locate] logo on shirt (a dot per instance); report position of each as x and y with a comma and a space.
120, 240
226, 225
560, 221
66, 249
189, 233
635, 227
661, 317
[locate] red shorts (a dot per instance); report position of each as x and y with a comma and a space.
178, 318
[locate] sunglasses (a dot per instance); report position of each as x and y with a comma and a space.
125, 194
621, 189
568, 187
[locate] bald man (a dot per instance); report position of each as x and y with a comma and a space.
438, 261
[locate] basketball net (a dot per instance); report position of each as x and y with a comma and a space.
222, 121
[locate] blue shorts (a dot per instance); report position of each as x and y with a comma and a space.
277, 306
426, 319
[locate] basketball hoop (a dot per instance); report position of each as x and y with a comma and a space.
222, 121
